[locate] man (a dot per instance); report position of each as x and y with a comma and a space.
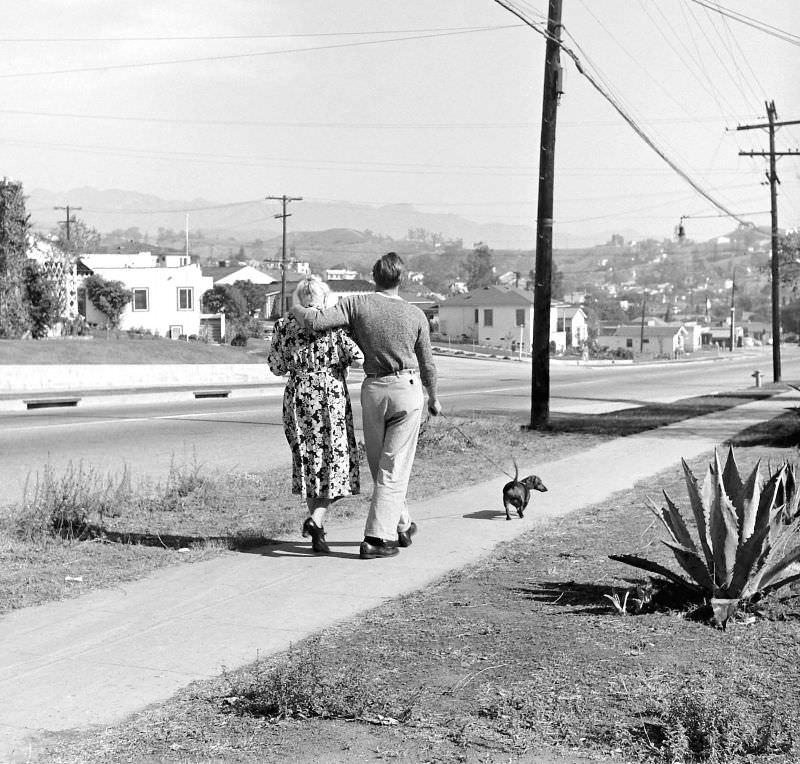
398, 363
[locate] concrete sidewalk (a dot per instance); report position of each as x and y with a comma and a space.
99, 658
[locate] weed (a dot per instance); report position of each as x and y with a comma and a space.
704, 725
301, 687
69, 505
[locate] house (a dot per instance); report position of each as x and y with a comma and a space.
571, 329
230, 274
166, 298
303, 267
347, 287
340, 274
503, 316
659, 341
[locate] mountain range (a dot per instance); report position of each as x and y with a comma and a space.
116, 209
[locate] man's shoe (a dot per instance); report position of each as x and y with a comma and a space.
404, 537
318, 543
373, 547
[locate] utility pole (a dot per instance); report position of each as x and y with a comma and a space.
284, 200
543, 271
733, 306
641, 329
772, 177
69, 218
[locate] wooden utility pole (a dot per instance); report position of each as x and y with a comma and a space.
69, 218
733, 306
641, 328
772, 177
284, 200
543, 270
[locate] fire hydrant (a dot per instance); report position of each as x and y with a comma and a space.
756, 375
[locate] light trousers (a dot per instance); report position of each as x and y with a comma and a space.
391, 410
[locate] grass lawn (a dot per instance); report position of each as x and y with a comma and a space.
518, 658
119, 348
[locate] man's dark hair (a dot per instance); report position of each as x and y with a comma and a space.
388, 271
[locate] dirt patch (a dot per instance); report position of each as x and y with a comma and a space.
518, 658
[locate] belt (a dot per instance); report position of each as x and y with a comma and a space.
391, 373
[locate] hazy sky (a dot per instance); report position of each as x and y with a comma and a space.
436, 104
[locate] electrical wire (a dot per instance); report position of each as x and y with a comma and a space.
621, 111
762, 26
240, 56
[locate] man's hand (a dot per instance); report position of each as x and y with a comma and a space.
299, 312
434, 407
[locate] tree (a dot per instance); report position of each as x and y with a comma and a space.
255, 295
14, 227
43, 298
480, 271
225, 299
789, 260
109, 297
82, 239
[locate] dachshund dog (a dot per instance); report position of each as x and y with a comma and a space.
517, 493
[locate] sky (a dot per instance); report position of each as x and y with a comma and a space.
434, 104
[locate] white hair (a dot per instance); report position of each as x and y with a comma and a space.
312, 292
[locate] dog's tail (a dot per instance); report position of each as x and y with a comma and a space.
516, 469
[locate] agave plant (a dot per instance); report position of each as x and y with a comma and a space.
748, 535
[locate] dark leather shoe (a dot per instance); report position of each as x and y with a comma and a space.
318, 543
404, 537
372, 547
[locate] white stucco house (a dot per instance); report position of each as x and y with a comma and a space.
230, 274
503, 316
666, 341
166, 289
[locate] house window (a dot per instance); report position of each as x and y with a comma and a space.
561, 324
476, 316
141, 299
629, 343
488, 317
82, 301
520, 316
185, 298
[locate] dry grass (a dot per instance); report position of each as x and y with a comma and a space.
120, 349
518, 658
68, 521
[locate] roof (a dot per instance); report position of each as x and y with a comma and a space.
494, 295
569, 311
218, 273
633, 330
350, 285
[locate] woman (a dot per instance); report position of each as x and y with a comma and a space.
317, 415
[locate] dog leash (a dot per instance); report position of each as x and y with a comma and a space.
471, 441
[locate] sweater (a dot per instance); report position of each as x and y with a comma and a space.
392, 334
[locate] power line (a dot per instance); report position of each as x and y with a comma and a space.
762, 26
281, 36
239, 56
637, 129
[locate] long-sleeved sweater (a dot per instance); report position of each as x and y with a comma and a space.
391, 333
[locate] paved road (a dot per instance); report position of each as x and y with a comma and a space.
246, 434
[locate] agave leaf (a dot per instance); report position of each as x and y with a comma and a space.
750, 558
700, 500
752, 496
775, 555
724, 532
769, 499
693, 564
781, 573
654, 567
792, 494
732, 481
673, 521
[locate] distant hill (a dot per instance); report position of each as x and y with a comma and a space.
108, 210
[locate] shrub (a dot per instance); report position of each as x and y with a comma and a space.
301, 687
748, 536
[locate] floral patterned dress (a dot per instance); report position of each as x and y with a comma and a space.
317, 415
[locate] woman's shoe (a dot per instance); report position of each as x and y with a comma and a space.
318, 543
